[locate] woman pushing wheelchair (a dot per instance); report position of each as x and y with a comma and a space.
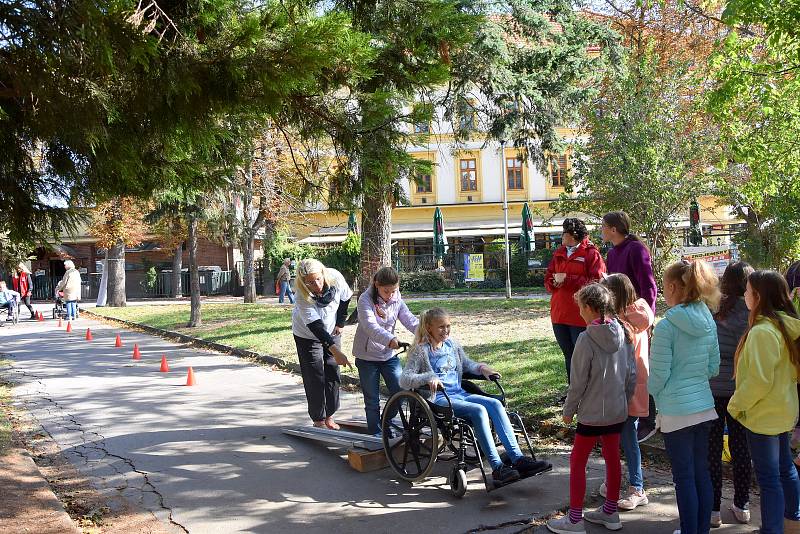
438, 361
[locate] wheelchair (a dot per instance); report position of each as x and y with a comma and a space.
13, 313
423, 432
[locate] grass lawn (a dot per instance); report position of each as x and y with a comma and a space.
513, 336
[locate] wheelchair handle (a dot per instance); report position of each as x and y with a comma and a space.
403, 348
496, 379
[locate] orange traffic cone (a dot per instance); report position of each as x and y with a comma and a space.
164, 365
190, 378
69, 327
118, 342
89, 335
40, 317
136, 354
59, 322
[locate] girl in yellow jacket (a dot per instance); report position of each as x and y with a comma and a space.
765, 400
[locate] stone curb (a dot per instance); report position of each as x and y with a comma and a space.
218, 347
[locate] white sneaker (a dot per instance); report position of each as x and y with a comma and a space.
599, 517
716, 519
635, 498
742, 514
563, 525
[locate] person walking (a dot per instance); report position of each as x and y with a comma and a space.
23, 284
576, 263
731, 320
684, 355
284, 278
631, 257
765, 401
317, 322
70, 284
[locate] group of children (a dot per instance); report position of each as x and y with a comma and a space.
724, 355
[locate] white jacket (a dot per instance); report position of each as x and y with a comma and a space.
70, 285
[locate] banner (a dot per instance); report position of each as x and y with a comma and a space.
718, 259
473, 268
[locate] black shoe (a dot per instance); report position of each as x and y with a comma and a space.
645, 431
505, 474
528, 467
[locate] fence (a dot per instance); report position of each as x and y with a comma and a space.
258, 267
453, 263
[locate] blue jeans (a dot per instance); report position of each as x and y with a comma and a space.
285, 290
72, 309
479, 409
688, 453
777, 478
370, 373
633, 456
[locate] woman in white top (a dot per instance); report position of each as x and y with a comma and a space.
318, 318
70, 284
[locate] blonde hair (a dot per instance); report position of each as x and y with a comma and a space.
69, 264
698, 282
306, 267
425, 319
24, 268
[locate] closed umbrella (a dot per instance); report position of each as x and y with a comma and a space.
526, 241
351, 223
439, 239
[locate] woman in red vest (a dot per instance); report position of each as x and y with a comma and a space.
23, 284
576, 263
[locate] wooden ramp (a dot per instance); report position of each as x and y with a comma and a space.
364, 452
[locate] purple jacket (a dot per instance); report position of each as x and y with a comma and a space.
632, 258
374, 333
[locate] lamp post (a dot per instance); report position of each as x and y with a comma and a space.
506, 245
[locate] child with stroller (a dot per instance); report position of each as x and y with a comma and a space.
603, 381
438, 361
8, 300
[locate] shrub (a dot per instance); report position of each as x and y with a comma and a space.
424, 281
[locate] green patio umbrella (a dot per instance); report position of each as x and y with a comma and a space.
351, 223
439, 239
526, 240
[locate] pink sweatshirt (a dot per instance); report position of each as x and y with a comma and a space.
639, 316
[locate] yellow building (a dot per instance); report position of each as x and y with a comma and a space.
466, 183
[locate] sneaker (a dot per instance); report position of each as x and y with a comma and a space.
716, 519
676, 531
742, 514
528, 466
635, 498
563, 525
645, 431
505, 474
599, 517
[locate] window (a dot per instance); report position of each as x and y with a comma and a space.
469, 174
424, 183
558, 171
514, 174
467, 117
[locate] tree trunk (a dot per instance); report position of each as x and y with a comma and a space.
116, 275
177, 265
376, 237
194, 275
248, 246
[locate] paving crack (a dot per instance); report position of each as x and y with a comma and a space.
90, 441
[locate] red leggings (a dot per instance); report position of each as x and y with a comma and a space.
581, 450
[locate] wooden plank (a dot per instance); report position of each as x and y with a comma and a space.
366, 461
353, 425
337, 437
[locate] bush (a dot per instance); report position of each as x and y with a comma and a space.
344, 257
424, 281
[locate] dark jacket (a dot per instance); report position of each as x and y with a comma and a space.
632, 258
729, 331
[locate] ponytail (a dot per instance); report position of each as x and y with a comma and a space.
698, 282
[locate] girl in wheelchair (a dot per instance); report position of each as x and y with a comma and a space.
438, 361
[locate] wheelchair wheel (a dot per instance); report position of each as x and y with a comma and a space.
457, 481
410, 438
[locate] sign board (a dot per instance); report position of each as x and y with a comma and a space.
473, 268
718, 259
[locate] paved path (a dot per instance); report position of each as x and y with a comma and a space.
212, 458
